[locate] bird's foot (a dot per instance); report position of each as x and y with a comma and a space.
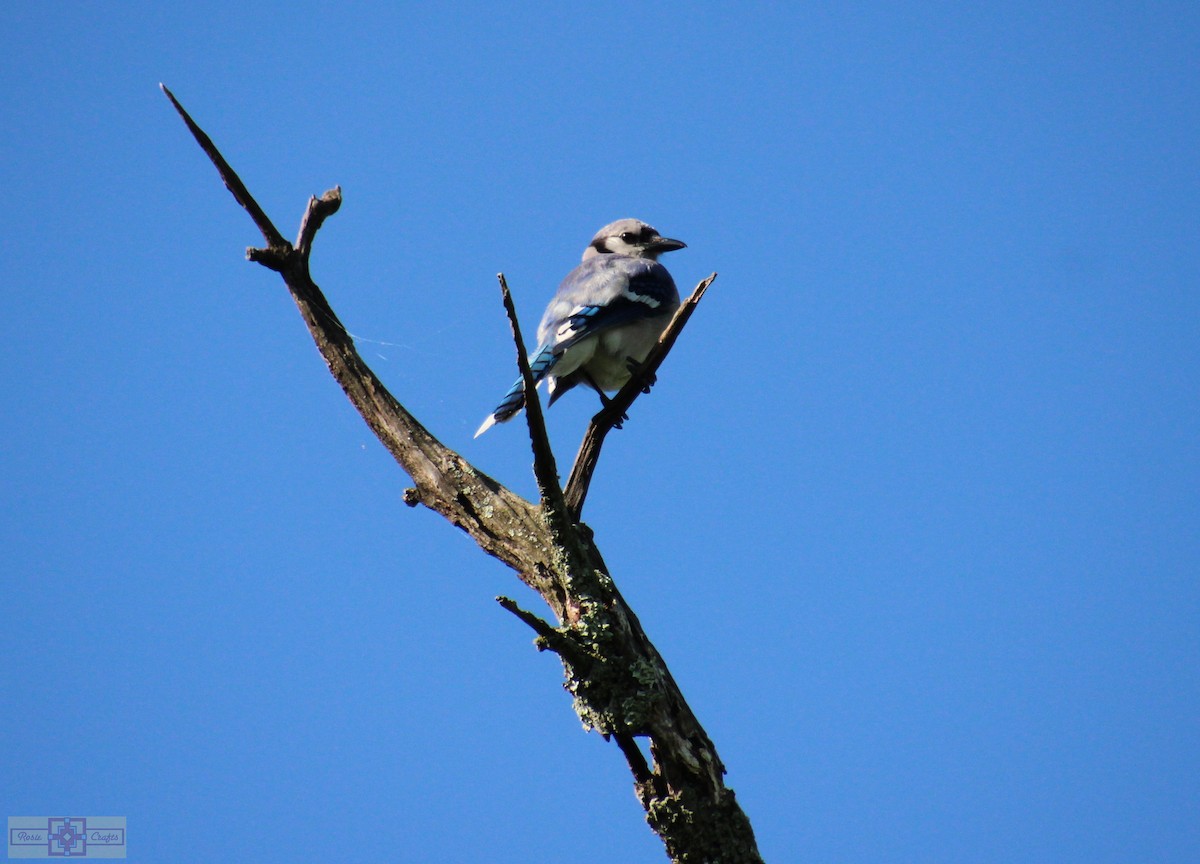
634, 366
608, 406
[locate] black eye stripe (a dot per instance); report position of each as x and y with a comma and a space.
642, 236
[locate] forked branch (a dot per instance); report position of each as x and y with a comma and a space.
503, 523
621, 686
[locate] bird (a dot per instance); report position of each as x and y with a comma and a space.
604, 319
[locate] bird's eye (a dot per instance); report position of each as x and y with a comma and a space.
628, 236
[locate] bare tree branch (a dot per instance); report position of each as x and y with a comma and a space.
620, 684
232, 182
545, 469
618, 406
548, 638
501, 522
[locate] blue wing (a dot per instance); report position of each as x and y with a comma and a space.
603, 292
606, 291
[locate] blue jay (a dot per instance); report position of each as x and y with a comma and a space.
604, 319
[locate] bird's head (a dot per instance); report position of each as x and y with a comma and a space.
630, 237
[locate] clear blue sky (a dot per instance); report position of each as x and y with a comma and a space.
912, 514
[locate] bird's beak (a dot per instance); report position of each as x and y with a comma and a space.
666, 244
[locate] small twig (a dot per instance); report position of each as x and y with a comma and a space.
618, 406
545, 469
232, 182
319, 209
272, 258
634, 756
548, 637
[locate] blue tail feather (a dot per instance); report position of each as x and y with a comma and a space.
514, 399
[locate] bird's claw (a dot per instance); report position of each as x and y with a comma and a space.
635, 366
608, 406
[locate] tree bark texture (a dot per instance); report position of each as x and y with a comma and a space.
619, 683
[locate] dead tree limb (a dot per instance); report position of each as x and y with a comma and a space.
620, 684
545, 468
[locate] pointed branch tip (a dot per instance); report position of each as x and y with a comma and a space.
545, 470
228, 176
